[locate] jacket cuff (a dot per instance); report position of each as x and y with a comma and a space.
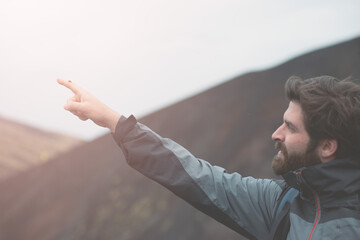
123, 126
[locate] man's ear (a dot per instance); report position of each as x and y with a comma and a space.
327, 149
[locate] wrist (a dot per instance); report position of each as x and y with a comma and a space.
113, 119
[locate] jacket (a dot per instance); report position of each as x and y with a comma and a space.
327, 206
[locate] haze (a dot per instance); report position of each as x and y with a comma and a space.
139, 56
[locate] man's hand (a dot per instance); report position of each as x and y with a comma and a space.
85, 106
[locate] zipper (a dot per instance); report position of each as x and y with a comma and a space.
317, 200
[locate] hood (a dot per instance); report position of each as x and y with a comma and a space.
333, 180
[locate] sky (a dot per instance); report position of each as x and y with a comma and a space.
142, 55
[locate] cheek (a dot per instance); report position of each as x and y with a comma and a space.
298, 144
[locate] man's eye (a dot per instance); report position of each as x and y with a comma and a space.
290, 127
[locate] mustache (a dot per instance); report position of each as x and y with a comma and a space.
280, 146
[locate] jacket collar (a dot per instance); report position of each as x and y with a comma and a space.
332, 180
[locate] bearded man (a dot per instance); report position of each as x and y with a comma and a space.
318, 158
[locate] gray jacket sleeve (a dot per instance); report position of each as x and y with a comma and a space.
244, 204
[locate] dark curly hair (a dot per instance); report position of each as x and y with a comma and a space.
331, 110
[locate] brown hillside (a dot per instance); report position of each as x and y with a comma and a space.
22, 147
90, 193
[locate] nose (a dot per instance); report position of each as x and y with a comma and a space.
278, 135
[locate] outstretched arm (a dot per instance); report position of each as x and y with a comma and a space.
246, 205
85, 106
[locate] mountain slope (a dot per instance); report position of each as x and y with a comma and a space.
22, 147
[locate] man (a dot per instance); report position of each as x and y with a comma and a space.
318, 157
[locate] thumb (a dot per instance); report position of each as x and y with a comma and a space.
74, 107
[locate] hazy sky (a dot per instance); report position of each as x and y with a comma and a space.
139, 56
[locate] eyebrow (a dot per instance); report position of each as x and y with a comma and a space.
291, 125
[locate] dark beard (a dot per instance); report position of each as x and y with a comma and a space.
289, 162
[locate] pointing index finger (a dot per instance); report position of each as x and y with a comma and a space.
73, 87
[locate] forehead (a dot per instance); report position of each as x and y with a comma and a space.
294, 115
